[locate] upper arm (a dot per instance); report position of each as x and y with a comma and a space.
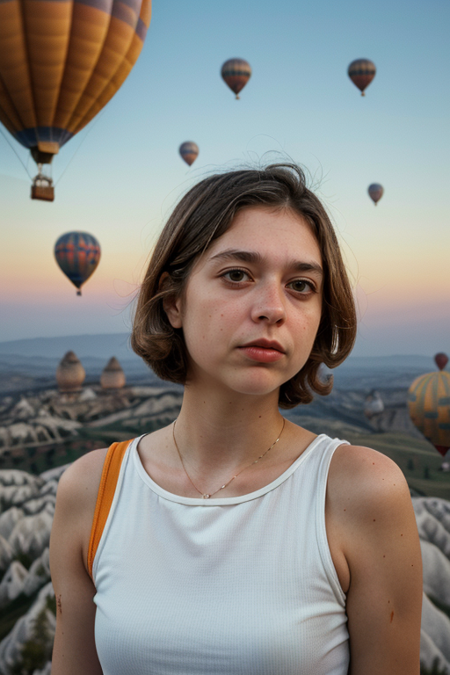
74, 649
382, 549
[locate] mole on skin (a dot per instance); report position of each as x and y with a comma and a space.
59, 604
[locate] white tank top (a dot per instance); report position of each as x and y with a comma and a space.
231, 586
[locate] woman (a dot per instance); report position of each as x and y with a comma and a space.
234, 541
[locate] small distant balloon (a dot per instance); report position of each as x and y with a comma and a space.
361, 72
375, 192
236, 73
441, 360
77, 254
189, 152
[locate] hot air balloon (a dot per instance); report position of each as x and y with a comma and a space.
441, 360
60, 64
375, 192
429, 407
77, 254
189, 152
361, 72
236, 73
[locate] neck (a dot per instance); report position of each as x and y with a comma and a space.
218, 432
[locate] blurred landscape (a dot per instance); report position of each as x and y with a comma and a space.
41, 428
44, 428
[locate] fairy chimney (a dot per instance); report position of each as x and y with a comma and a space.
70, 373
373, 405
112, 376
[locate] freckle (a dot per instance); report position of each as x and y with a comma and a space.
374, 520
221, 315
345, 509
260, 417
392, 616
384, 556
389, 602
373, 463
401, 535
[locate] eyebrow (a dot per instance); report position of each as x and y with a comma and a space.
254, 257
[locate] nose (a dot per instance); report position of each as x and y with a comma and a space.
269, 304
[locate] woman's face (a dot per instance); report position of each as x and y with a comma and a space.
252, 303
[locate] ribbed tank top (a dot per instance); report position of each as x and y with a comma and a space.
231, 586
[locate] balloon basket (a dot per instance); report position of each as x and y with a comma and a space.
46, 194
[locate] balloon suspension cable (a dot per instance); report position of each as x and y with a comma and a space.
17, 155
76, 151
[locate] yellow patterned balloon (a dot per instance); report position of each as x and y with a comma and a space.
61, 61
429, 408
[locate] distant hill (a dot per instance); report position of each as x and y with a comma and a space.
33, 362
100, 346
117, 344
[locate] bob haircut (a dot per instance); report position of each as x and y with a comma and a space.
204, 214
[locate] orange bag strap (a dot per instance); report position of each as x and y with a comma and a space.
108, 482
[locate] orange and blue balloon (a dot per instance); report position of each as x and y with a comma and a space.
78, 255
429, 405
60, 64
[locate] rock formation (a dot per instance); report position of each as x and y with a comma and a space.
373, 404
70, 374
112, 376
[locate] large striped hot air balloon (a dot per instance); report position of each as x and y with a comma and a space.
61, 61
189, 152
77, 254
236, 73
429, 407
361, 72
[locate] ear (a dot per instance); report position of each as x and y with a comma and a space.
171, 304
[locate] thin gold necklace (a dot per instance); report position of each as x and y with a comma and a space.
222, 487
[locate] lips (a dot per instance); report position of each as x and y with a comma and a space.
265, 344
263, 351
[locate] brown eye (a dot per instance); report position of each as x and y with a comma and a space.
300, 285
236, 275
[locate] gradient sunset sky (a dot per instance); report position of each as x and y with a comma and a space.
121, 176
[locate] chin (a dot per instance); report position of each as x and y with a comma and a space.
259, 384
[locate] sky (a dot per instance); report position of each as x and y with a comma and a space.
120, 177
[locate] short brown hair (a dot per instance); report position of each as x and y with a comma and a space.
204, 214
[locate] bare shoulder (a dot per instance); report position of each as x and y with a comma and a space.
373, 526
74, 646
79, 484
367, 478
77, 496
